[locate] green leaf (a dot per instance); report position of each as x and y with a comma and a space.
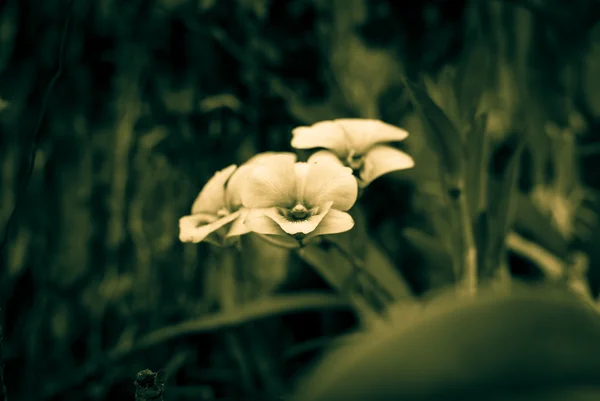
502, 191
530, 221
481, 233
439, 131
354, 240
474, 75
529, 342
436, 269
358, 243
428, 246
337, 271
476, 171
385, 272
264, 267
252, 311
554, 268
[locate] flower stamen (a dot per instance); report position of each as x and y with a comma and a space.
299, 212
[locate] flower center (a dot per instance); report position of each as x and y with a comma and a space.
299, 212
355, 160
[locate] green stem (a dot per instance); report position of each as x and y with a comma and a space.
379, 297
468, 251
228, 301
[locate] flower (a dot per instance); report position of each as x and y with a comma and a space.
358, 144
217, 214
301, 200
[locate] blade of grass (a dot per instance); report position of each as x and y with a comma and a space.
447, 141
502, 189
439, 131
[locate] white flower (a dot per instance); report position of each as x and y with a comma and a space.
357, 143
301, 200
217, 214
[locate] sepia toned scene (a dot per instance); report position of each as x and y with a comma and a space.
303, 200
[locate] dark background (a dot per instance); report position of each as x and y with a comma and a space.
131, 106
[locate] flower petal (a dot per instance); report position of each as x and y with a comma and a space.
365, 133
282, 241
323, 156
194, 229
212, 197
235, 186
239, 179
330, 182
301, 177
298, 227
324, 134
238, 227
272, 157
271, 184
334, 222
260, 223
382, 160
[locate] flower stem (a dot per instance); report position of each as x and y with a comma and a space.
468, 251
229, 258
377, 295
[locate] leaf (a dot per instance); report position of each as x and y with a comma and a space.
428, 246
436, 263
335, 269
358, 243
354, 240
470, 349
439, 130
264, 266
476, 171
553, 267
474, 75
502, 191
529, 220
385, 272
442, 92
481, 233
252, 311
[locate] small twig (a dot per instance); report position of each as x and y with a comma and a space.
150, 385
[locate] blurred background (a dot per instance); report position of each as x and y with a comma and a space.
131, 106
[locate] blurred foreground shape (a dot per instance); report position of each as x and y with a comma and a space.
533, 344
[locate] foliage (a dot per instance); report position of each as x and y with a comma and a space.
129, 108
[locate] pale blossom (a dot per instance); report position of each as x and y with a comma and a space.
217, 214
358, 143
299, 200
